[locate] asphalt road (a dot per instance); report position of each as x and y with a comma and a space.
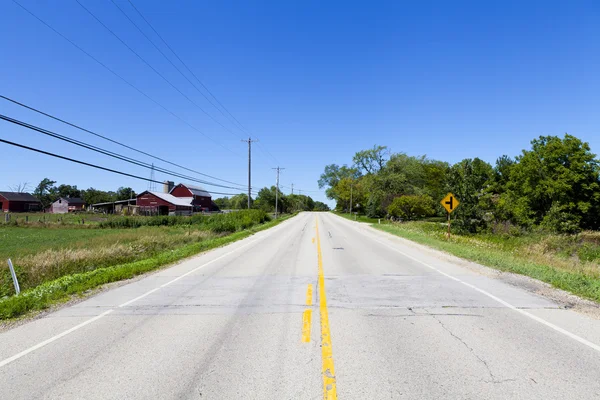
250, 321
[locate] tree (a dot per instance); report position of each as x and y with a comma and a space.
558, 179
319, 206
94, 196
223, 203
20, 187
370, 161
411, 207
46, 192
68, 191
239, 201
467, 180
265, 200
332, 175
125, 193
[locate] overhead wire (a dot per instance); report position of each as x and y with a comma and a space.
90, 164
186, 67
192, 73
113, 141
110, 153
152, 68
177, 68
123, 79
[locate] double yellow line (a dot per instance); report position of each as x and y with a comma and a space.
328, 370
329, 385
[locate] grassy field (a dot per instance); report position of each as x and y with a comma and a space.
48, 252
568, 262
60, 219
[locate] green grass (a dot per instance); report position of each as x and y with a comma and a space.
62, 289
44, 253
571, 263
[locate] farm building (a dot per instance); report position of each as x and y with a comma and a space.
18, 202
67, 204
201, 199
116, 207
157, 203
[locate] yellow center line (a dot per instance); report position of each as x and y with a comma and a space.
309, 295
329, 385
306, 319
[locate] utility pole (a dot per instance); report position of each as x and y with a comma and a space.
292, 188
249, 141
351, 198
277, 192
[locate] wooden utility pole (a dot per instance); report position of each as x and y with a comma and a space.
278, 169
249, 141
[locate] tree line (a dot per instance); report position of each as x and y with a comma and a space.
265, 200
47, 193
554, 185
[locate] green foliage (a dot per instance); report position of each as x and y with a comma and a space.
219, 223
554, 186
556, 183
46, 192
320, 206
411, 207
61, 289
467, 180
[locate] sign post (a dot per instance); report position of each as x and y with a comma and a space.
449, 203
14, 276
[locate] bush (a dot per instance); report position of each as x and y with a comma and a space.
411, 207
560, 220
219, 223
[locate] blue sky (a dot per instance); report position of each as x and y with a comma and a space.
314, 81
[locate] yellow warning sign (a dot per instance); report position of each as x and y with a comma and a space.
450, 202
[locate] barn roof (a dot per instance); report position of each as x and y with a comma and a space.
176, 201
16, 196
197, 190
73, 200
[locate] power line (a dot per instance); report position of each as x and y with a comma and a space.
186, 67
175, 66
121, 78
91, 165
109, 153
194, 75
114, 141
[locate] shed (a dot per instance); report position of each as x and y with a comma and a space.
157, 203
201, 199
19, 202
67, 204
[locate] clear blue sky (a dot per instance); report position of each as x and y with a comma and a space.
315, 81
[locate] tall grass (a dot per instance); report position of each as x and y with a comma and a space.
569, 262
42, 254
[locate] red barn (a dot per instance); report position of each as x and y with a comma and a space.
157, 203
18, 202
201, 199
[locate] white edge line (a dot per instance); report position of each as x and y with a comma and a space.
499, 300
53, 338
97, 317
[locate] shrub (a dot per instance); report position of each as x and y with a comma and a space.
411, 207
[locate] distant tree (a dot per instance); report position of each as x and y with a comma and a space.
68, 191
371, 161
265, 200
20, 187
46, 192
411, 207
239, 201
93, 196
319, 206
332, 175
223, 203
125, 193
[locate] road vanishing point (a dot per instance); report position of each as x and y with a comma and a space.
316, 307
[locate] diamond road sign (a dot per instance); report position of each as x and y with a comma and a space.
450, 202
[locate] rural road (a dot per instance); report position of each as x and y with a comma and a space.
240, 322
